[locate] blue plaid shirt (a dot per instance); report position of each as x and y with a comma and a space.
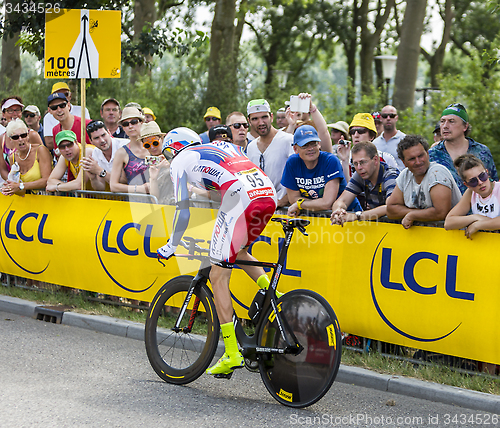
440, 155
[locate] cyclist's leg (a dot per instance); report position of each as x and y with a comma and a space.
232, 358
255, 272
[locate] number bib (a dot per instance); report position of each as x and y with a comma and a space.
255, 183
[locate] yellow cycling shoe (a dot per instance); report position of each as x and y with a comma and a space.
225, 366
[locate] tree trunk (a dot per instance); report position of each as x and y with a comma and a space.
408, 54
369, 40
10, 71
144, 11
222, 79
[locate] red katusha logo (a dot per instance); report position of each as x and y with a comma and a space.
266, 191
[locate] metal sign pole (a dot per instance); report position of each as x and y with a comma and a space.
83, 139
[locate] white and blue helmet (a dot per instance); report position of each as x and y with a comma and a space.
177, 140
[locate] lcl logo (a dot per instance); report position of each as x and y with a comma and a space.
412, 285
29, 228
110, 240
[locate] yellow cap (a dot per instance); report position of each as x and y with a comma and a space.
212, 112
147, 110
363, 120
58, 86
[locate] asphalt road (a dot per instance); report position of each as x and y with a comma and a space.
63, 376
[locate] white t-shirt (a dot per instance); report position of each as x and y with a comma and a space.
49, 121
390, 146
101, 160
489, 206
418, 195
2, 129
273, 159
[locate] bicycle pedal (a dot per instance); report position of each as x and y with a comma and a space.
223, 375
251, 366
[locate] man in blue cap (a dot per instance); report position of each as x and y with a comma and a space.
455, 142
313, 178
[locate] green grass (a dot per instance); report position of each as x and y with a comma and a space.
373, 361
438, 373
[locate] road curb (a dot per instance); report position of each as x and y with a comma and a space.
347, 374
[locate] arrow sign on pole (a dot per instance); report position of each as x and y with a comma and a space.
84, 51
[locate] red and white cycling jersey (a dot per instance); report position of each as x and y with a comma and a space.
248, 195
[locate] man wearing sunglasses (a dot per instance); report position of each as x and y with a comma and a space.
361, 129
60, 108
31, 116
455, 128
390, 137
49, 121
69, 163
425, 191
212, 118
99, 165
239, 128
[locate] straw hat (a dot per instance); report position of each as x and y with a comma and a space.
130, 113
149, 129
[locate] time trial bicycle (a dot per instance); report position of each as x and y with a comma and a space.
297, 341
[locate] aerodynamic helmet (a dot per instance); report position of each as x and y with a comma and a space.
177, 140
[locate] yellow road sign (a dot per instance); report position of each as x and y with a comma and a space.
81, 43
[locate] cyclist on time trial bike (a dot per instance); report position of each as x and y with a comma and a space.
248, 201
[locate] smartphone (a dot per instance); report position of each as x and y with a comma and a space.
300, 105
153, 160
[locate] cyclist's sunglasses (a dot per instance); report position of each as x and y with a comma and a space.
55, 107
360, 131
239, 125
95, 125
131, 122
16, 137
457, 105
386, 115
147, 144
29, 115
473, 182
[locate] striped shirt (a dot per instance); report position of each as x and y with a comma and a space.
377, 194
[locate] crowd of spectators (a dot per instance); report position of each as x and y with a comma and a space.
361, 170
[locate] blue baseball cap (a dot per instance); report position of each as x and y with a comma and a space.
305, 134
55, 96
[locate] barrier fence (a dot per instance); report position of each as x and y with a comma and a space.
423, 288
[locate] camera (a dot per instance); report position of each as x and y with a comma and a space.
343, 143
152, 160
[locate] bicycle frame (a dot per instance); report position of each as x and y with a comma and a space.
249, 343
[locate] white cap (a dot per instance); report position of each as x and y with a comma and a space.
11, 102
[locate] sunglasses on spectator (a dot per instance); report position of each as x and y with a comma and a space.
55, 107
262, 162
95, 125
239, 125
65, 146
211, 119
386, 115
66, 94
360, 131
132, 122
473, 182
457, 105
16, 137
32, 115
13, 110
147, 144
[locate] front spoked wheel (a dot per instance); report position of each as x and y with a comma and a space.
181, 355
301, 380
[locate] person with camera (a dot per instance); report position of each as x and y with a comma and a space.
362, 128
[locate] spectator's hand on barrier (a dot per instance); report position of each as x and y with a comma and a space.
90, 165
9, 188
338, 217
166, 251
407, 221
143, 188
293, 210
471, 229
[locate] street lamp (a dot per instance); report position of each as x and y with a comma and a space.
388, 68
282, 77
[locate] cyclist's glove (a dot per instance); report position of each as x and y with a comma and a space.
166, 251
